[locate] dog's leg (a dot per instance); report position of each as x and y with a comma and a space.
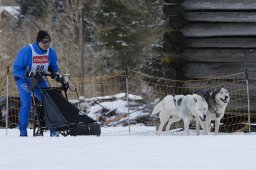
207, 125
171, 121
197, 127
160, 129
217, 126
161, 126
203, 125
186, 126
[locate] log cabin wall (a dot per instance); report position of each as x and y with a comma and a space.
214, 37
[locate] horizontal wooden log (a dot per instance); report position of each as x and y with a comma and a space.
236, 87
237, 90
219, 29
219, 5
211, 42
252, 87
220, 16
209, 70
221, 55
174, 1
179, 21
238, 42
253, 106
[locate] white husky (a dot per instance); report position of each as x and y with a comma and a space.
217, 101
175, 108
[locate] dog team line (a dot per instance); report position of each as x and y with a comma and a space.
201, 106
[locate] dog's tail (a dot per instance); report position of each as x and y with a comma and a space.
157, 108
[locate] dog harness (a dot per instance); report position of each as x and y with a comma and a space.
211, 108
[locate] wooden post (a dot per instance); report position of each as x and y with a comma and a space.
82, 50
7, 100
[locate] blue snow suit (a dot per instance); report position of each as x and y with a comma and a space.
31, 59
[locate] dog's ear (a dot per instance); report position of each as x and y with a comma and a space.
195, 99
206, 95
215, 91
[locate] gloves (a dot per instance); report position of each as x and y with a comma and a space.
60, 78
65, 86
30, 74
53, 73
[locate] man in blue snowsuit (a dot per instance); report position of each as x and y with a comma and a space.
31, 60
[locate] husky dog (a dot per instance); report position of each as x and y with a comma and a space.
174, 108
217, 102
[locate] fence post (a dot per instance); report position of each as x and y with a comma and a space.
248, 100
7, 100
127, 99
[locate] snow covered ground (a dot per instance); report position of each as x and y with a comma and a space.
116, 149
136, 151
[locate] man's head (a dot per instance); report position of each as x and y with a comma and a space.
43, 39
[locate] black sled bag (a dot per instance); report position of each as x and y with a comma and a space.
86, 129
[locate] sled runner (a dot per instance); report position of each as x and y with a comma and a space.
56, 112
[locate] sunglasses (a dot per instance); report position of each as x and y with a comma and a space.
46, 41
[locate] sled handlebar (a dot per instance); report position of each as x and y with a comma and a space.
45, 74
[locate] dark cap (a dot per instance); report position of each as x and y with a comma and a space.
42, 35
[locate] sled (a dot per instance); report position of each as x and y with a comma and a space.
56, 112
